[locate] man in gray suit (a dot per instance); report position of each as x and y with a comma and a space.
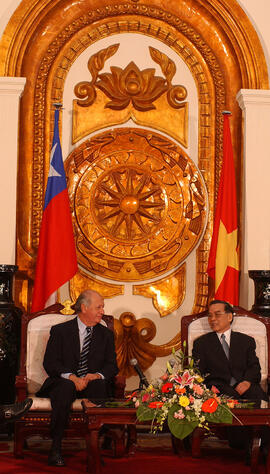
80, 361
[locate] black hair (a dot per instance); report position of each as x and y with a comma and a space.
227, 307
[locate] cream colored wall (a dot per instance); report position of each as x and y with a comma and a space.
256, 115
10, 91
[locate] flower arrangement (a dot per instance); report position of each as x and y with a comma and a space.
182, 399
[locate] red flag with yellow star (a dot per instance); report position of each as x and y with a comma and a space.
223, 264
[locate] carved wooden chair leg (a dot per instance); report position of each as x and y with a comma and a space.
255, 449
18, 442
131, 445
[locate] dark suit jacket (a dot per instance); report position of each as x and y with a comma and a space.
63, 353
243, 364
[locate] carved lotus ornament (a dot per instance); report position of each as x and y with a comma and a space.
130, 85
123, 86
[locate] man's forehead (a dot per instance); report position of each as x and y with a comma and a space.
213, 308
97, 299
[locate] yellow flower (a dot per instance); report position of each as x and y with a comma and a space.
199, 379
184, 401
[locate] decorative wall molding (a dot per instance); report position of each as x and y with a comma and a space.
255, 97
12, 86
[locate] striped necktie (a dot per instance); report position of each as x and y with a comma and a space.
225, 345
83, 365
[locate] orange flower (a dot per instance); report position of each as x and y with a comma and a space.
130, 396
164, 377
210, 405
155, 404
180, 390
166, 387
232, 403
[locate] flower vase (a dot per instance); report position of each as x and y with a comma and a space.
10, 327
261, 280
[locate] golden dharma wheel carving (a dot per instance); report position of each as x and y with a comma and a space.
139, 204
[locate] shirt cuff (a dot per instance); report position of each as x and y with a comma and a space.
66, 376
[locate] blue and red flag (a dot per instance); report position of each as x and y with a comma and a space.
56, 259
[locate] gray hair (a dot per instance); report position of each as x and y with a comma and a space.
84, 298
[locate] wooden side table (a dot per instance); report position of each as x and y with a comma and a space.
95, 418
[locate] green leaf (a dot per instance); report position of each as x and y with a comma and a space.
221, 415
169, 367
180, 428
145, 414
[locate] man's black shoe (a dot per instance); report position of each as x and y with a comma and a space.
55, 459
10, 413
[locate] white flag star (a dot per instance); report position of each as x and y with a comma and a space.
52, 170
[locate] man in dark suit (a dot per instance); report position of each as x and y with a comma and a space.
80, 361
236, 374
227, 359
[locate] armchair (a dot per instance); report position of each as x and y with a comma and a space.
34, 336
247, 322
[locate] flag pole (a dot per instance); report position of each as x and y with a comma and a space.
58, 105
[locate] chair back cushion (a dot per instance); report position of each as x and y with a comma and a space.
245, 324
38, 332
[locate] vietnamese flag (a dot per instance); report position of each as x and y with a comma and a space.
223, 264
56, 259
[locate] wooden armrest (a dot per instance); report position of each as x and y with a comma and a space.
21, 387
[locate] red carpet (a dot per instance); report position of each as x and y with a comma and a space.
34, 463
148, 460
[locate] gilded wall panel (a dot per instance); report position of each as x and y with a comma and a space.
167, 293
124, 93
206, 91
139, 204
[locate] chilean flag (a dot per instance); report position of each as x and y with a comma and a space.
223, 263
56, 259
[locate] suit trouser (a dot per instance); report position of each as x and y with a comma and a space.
240, 436
62, 394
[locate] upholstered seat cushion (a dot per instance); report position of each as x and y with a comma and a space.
44, 404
